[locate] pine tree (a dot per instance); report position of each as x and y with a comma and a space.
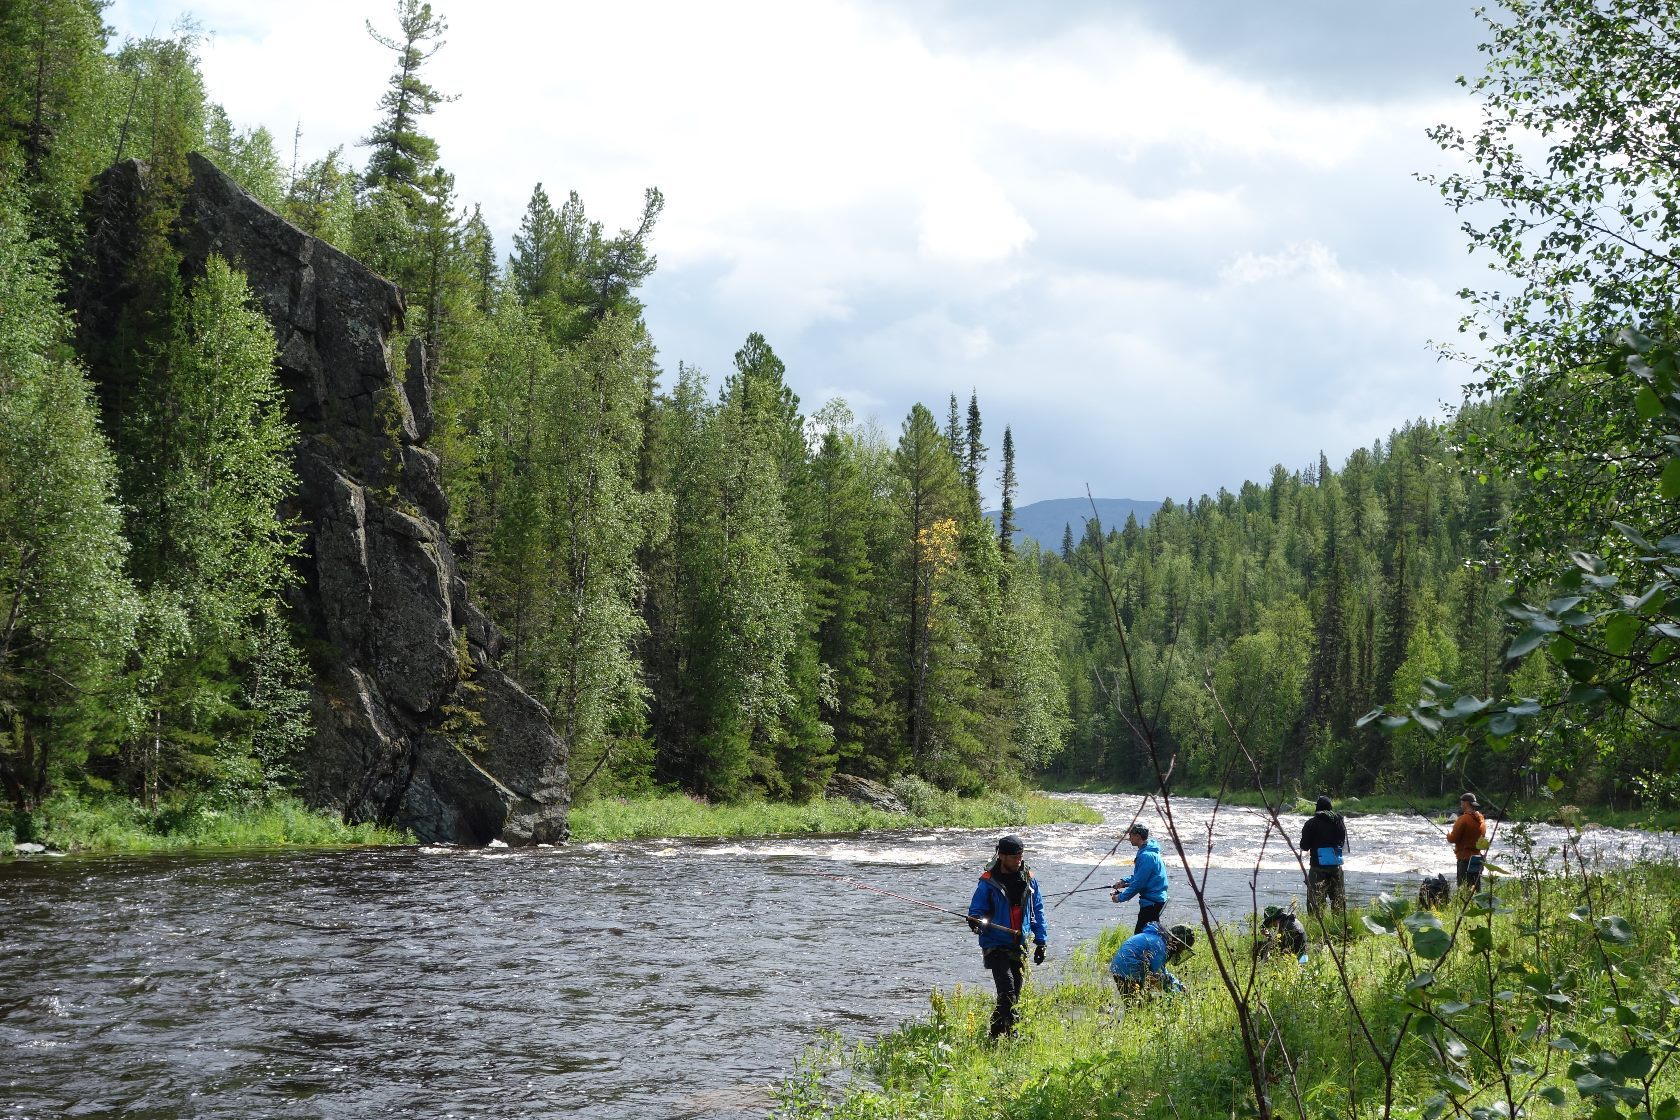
973, 451
402, 155
537, 266
1006, 511
930, 504
841, 588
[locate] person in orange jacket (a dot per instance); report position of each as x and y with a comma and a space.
1466, 837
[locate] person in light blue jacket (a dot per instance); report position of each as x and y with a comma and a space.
1006, 906
1142, 959
1148, 880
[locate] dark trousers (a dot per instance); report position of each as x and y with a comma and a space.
1148, 912
1008, 967
1470, 872
1325, 884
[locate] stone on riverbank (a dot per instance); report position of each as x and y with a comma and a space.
865, 791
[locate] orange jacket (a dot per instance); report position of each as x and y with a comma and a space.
1466, 831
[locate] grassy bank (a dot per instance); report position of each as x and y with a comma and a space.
680, 815
65, 823
1535, 999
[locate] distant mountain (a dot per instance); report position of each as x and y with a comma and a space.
1045, 521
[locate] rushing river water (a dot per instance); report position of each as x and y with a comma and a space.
658, 980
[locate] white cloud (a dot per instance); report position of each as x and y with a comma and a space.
1311, 260
1163, 275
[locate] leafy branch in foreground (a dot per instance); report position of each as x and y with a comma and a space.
1608, 623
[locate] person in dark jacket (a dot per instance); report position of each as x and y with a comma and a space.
1282, 934
1007, 905
1148, 880
1324, 839
1142, 959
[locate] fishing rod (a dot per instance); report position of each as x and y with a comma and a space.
1118, 841
917, 902
1080, 890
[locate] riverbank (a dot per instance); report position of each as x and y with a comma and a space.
1521, 1006
67, 824
678, 815
1535, 811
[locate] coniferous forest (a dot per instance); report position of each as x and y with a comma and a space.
716, 587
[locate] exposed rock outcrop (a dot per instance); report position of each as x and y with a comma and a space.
413, 722
865, 791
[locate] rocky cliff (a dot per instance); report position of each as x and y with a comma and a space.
413, 723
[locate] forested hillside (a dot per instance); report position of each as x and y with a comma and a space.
710, 584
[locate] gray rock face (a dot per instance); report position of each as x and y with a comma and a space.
865, 791
413, 723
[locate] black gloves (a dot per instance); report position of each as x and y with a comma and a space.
974, 925
1038, 952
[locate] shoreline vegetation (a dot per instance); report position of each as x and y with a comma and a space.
1548, 993
67, 824
679, 815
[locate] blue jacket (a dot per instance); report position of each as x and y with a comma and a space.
1149, 876
1142, 954
991, 902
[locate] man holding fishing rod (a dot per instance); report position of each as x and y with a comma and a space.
1148, 880
1006, 904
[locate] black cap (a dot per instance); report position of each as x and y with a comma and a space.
1181, 937
1010, 845
1323, 801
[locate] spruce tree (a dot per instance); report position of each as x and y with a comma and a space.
1006, 511
973, 451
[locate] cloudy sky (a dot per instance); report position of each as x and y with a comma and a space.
1168, 243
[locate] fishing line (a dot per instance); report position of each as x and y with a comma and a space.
1078, 890
916, 901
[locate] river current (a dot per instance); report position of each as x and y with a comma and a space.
666, 980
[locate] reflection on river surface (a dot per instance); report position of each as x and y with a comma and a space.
643, 980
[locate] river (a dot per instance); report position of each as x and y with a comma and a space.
666, 980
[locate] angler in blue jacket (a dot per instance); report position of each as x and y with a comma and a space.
1006, 905
1142, 959
1148, 880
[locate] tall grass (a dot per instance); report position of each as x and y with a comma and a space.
1547, 1003
68, 823
681, 815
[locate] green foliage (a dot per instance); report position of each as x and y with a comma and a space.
668, 815
321, 198
1511, 1005
212, 465
69, 823
56, 87
67, 609
403, 155
248, 157
1571, 193
1284, 602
